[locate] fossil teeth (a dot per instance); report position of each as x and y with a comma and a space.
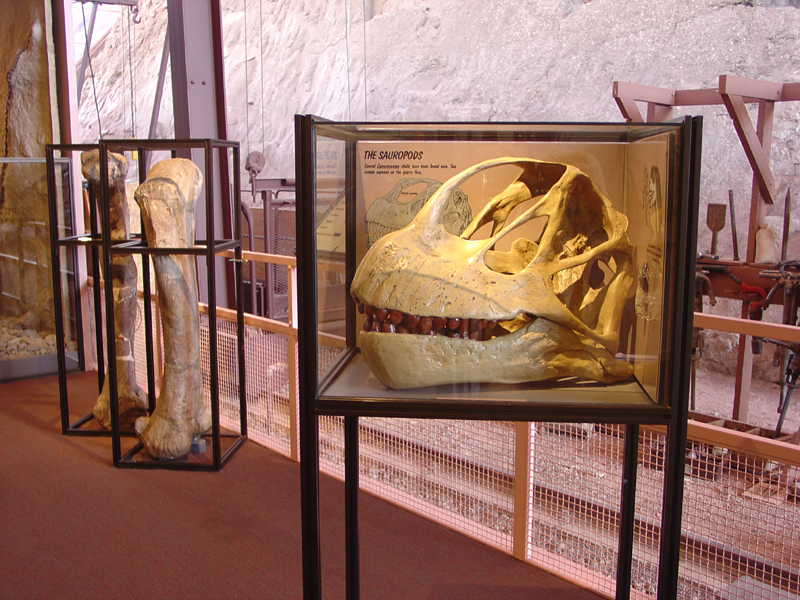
395, 321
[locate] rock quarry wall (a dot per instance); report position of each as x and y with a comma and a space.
25, 113
471, 60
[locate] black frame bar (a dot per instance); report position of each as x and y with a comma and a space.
101, 249
92, 242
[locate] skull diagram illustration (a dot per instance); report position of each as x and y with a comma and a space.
388, 214
546, 309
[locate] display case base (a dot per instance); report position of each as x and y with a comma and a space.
200, 460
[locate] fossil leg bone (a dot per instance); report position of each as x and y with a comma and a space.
167, 201
132, 399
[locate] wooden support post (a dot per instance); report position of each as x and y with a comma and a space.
759, 142
522, 464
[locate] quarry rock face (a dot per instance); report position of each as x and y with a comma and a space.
25, 112
454, 60
470, 60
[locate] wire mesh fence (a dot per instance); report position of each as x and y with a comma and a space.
741, 509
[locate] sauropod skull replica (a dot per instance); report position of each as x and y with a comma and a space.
167, 201
132, 400
545, 309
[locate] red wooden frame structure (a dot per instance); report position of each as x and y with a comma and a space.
735, 93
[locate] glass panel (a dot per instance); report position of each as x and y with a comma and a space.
330, 224
27, 326
511, 262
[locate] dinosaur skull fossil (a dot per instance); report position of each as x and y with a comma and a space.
545, 309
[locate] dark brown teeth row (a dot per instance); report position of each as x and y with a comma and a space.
394, 321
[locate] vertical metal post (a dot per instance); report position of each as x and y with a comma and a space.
58, 305
678, 384
236, 201
351, 483
627, 514
148, 309
76, 279
111, 371
212, 311
97, 294
351, 463
307, 359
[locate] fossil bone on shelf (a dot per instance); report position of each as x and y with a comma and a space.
167, 201
132, 400
545, 309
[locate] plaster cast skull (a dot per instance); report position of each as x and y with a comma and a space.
548, 308
388, 213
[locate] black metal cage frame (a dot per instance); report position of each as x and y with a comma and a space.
102, 248
71, 243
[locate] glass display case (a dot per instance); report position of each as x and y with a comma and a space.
507, 271
496, 271
27, 319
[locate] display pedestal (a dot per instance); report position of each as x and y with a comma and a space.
344, 168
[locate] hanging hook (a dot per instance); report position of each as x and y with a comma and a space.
135, 13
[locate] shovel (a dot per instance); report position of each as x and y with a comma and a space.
715, 219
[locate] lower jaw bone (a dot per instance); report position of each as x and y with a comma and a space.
540, 351
167, 201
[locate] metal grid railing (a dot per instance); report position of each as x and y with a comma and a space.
647, 533
269, 415
457, 473
741, 523
741, 512
227, 370
574, 501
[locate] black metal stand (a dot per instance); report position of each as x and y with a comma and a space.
208, 248
223, 443
673, 382
351, 479
70, 243
627, 510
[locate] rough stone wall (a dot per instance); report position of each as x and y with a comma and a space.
25, 113
450, 60
470, 60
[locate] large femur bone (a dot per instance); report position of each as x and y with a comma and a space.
167, 201
132, 400
576, 275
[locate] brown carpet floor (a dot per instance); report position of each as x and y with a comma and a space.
74, 527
